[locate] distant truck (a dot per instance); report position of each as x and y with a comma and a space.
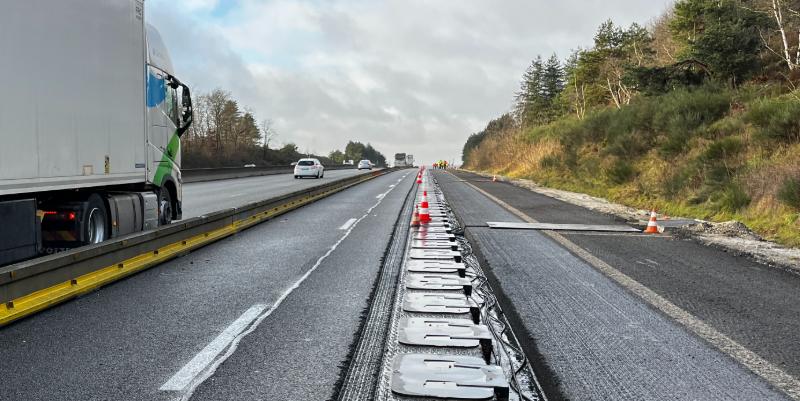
91, 116
400, 160
410, 160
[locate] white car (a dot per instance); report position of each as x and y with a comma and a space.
309, 168
365, 164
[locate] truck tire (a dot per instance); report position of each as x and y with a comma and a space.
164, 207
95, 225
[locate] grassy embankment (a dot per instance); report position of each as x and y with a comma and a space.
712, 153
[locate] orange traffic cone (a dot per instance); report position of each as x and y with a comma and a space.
424, 202
424, 215
494, 178
652, 226
415, 218
419, 179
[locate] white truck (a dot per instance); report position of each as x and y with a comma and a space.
91, 116
400, 160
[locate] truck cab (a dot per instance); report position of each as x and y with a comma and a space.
167, 117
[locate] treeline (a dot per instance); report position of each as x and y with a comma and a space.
696, 113
357, 151
225, 134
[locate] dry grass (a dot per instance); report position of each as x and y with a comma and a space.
760, 171
509, 154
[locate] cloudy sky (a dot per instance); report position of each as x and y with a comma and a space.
414, 76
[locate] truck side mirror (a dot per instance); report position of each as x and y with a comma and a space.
187, 113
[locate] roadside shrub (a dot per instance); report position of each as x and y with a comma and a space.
717, 176
674, 144
724, 127
789, 192
551, 161
596, 125
620, 172
723, 149
734, 198
683, 111
777, 119
677, 182
565, 127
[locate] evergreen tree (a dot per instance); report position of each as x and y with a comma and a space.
723, 34
529, 99
552, 79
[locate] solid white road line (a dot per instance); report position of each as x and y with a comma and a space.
184, 376
207, 370
347, 224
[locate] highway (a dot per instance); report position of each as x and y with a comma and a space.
210, 196
296, 285
275, 312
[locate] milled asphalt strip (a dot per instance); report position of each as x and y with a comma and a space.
752, 361
203, 365
362, 375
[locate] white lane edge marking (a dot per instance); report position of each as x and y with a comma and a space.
183, 377
347, 224
762, 368
234, 344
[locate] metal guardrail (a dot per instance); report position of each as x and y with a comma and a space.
226, 173
34, 285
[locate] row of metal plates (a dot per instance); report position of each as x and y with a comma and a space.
438, 283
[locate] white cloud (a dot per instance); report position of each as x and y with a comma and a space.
411, 76
195, 5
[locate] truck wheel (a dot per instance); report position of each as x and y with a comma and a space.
164, 207
95, 223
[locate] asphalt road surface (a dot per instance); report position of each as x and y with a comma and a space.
270, 313
595, 339
205, 197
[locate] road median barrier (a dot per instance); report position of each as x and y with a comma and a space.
37, 284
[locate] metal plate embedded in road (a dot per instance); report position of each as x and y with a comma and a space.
434, 236
438, 223
436, 303
425, 229
447, 376
442, 332
435, 254
563, 227
425, 244
435, 282
436, 266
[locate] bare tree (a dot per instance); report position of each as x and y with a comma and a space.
787, 21
268, 132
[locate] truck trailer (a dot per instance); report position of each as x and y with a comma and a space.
400, 160
91, 116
